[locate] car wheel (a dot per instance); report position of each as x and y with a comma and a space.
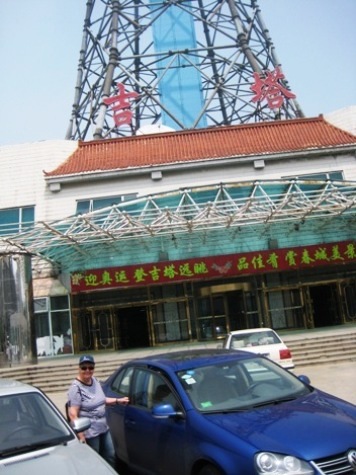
210, 470
122, 468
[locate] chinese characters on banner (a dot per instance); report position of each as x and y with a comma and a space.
120, 105
271, 89
210, 267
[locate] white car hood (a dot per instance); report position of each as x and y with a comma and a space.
71, 459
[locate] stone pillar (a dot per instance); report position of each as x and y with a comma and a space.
17, 330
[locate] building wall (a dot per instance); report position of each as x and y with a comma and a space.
63, 203
344, 118
22, 181
23, 184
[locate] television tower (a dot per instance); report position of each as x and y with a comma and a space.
155, 65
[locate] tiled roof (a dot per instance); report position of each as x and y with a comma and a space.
263, 138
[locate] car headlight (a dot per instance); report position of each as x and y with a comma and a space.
267, 462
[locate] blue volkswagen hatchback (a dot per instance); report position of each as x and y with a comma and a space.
219, 412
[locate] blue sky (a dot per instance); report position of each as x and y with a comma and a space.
315, 42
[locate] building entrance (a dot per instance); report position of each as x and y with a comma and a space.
95, 329
112, 328
325, 304
132, 327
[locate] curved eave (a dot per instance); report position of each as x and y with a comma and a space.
212, 162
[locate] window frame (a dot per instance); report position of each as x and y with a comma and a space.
90, 205
25, 219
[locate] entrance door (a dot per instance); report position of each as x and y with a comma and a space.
212, 319
242, 310
133, 330
96, 329
324, 300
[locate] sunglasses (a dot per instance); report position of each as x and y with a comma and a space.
85, 368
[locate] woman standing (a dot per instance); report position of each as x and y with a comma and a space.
87, 399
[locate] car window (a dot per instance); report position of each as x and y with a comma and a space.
27, 420
239, 385
140, 392
150, 388
163, 394
254, 339
121, 384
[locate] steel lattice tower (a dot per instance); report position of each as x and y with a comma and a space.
185, 63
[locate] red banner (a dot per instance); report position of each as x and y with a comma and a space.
247, 263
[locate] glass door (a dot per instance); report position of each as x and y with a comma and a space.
95, 329
212, 317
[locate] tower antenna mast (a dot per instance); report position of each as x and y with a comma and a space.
179, 64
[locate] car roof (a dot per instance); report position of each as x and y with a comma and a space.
251, 330
185, 359
11, 386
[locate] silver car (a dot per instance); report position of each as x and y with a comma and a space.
263, 341
35, 438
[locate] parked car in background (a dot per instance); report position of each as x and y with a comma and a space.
222, 412
263, 341
36, 439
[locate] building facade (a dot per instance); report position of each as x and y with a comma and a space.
182, 236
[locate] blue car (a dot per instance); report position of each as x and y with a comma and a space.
221, 412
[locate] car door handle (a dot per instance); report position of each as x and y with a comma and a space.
130, 422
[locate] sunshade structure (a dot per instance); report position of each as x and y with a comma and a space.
208, 220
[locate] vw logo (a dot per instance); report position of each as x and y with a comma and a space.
351, 457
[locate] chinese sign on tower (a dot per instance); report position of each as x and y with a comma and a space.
270, 89
120, 105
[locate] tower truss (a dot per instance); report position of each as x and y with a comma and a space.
185, 64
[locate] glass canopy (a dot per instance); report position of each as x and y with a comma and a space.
206, 220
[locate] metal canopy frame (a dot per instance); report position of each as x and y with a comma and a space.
190, 215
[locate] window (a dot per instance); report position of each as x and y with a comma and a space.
53, 326
150, 389
147, 388
93, 204
121, 384
15, 220
336, 176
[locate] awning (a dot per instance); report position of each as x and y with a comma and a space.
211, 218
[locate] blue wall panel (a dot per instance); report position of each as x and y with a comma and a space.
180, 87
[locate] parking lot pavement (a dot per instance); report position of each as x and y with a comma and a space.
337, 379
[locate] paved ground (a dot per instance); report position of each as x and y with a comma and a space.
338, 379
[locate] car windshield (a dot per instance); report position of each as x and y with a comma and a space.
28, 422
254, 339
240, 385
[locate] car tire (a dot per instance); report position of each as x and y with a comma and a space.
210, 470
122, 468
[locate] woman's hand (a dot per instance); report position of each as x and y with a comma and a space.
110, 401
123, 400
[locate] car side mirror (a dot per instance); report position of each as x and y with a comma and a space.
164, 411
81, 424
304, 379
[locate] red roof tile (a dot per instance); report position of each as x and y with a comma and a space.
263, 138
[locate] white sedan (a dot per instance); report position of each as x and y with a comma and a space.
35, 438
263, 341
